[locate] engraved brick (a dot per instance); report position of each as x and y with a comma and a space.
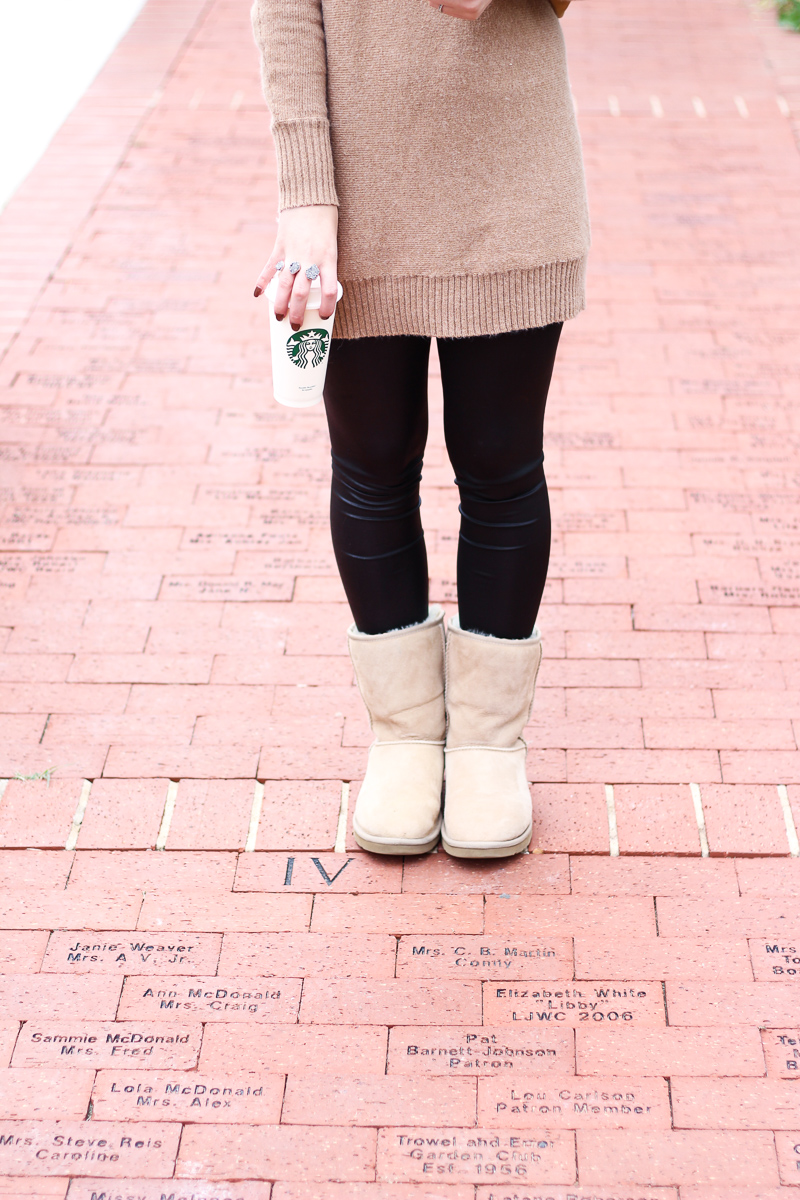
337, 955
480, 1051
735, 1104
300, 1152
473, 1155
523, 874
682, 1157
248, 1097
398, 914
211, 998
788, 1148
70, 1043
667, 1051
44, 1094
585, 1004
782, 1052
377, 1100
662, 958
485, 957
326, 1050
389, 1002
775, 957
225, 911
569, 1103
160, 1189
265, 871
133, 953
109, 1150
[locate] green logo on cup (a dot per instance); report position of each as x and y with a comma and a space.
308, 347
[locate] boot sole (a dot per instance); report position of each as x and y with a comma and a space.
487, 850
423, 846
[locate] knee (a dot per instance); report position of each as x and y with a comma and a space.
379, 481
492, 481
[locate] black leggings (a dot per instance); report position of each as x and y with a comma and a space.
495, 390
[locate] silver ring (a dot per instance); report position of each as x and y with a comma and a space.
279, 266
294, 267
312, 272
441, 6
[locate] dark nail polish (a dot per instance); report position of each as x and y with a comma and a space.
295, 327
279, 316
258, 292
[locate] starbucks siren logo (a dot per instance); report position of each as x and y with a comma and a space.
308, 347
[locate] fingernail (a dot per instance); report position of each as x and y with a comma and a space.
279, 316
295, 327
258, 292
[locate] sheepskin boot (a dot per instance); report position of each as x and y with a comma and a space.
400, 675
489, 695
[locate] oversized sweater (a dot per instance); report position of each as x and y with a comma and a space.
452, 150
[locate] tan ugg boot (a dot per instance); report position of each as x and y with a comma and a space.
489, 695
400, 675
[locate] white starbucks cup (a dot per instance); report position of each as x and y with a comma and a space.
300, 359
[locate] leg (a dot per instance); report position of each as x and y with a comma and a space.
377, 408
495, 391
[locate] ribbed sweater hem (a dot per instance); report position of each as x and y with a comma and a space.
461, 305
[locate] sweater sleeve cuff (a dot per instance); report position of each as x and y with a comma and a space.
305, 163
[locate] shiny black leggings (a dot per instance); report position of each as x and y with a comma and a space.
495, 390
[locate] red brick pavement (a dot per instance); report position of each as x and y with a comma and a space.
201, 992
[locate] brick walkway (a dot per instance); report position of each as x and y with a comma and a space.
614, 1016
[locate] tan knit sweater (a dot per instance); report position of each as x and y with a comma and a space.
452, 150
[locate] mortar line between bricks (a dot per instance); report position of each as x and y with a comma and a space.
3, 786
255, 817
700, 817
166, 816
80, 811
613, 834
340, 844
788, 817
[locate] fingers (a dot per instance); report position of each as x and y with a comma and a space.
283, 293
297, 304
329, 287
273, 263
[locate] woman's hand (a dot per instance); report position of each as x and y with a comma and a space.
306, 236
467, 10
